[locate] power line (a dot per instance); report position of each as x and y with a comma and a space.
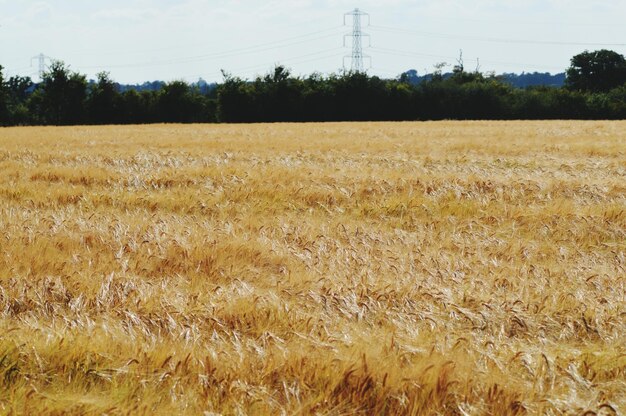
16, 70
385, 71
408, 53
293, 60
489, 39
559, 23
357, 19
334, 29
290, 62
298, 59
218, 55
411, 54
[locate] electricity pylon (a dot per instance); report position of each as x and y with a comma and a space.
357, 36
41, 58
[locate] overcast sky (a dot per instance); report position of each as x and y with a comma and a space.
140, 40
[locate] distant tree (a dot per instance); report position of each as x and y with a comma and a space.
318, 99
401, 104
278, 96
617, 102
4, 102
152, 86
410, 77
205, 88
19, 90
60, 98
179, 103
360, 97
596, 89
280, 74
462, 77
437, 74
103, 102
235, 100
526, 79
597, 71
138, 107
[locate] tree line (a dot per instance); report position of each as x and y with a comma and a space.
595, 88
523, 80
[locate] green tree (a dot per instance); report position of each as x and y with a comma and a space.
4, 101
180, 103
597, 71
138, 107
19, 89
278, 96
103, 101
235, 100
60, 98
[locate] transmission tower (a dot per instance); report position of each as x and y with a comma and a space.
41, 59
357, 36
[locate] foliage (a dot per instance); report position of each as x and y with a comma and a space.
595, 89
177, 102
138, 107
4, 101
235, 100
598, 71
103, 102
534, 79
61, 96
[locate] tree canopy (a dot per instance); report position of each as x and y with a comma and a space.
598, 71
4, 104
595, 89
60, 97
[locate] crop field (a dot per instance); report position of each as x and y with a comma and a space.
454, 268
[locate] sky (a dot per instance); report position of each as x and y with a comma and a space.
145, 40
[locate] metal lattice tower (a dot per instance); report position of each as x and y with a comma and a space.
41, 59
357, 39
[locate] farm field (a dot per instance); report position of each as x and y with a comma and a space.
457, 268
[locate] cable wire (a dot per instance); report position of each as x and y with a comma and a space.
293, 61
178, 47
204, 57
488, 39
416, 54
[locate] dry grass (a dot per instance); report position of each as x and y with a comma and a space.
335, 269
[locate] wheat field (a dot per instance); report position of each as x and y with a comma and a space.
453, 268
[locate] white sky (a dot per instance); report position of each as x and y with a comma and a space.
141, 40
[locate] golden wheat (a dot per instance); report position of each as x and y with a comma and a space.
457, 268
